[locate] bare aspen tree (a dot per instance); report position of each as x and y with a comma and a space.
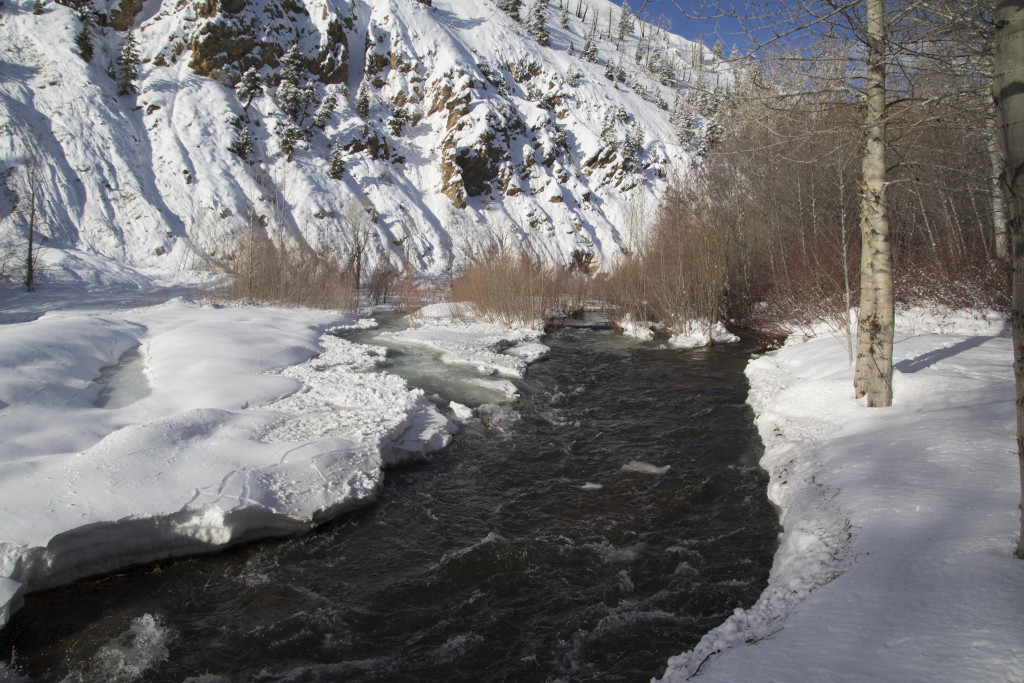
26, 186
876, 323
1008, 91
357, 226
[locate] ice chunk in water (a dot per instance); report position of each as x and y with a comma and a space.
644, 467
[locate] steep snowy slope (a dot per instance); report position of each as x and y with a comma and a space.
458, 132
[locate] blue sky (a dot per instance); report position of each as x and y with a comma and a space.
694, 29
683, 26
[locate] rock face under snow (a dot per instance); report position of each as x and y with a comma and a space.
457, 132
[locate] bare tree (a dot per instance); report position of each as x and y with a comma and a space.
1008, 91
876, 322
26, 184
908, 68
357, 225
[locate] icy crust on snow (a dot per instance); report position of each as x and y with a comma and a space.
255, 424
895, 561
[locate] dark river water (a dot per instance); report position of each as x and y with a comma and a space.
597, 526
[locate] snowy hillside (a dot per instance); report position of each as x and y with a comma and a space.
452, 126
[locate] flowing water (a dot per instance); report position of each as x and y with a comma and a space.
596, 527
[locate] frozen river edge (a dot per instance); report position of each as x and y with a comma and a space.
254, 423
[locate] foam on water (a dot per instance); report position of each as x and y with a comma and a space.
138, 649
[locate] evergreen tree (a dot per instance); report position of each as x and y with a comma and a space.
511, 7
590, 49
337, 167
632, 148
677, 116
608, 134
83, 40
397, 122
537, 22
38, 7
290, 136
564, 20
363, 101
249, 88
294, 94
625, 21
699, 99
242, 145
128, 63
327, 106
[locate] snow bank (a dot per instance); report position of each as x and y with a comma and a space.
895, 562
253, 423
699, 336
455, 331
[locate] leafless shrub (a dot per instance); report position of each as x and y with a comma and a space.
515, 290
288, 275
383, 278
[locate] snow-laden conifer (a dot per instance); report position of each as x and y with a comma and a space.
242, 145
511, 7
632, 148
337, 161
83, 41
590, 49
249, 87
363, 101
327, 106
537, 22
295, 93
128, 63
290, 135
625, 21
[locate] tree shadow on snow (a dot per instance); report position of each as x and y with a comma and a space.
926, 360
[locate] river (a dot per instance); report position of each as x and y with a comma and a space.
590, 530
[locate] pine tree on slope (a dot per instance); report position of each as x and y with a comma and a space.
337, 167
363, 101
83, 40
294, 96
537, 22
249, 88
511, 7
128, 63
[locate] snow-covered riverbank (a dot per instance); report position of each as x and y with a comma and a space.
234, 423
896, 561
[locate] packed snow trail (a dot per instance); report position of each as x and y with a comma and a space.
896, 561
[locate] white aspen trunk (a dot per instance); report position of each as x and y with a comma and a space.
876, 324
1008, 91
1001, 230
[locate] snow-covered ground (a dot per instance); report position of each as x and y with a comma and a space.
129, 435
896, 560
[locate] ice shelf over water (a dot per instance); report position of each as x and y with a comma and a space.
256, 423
